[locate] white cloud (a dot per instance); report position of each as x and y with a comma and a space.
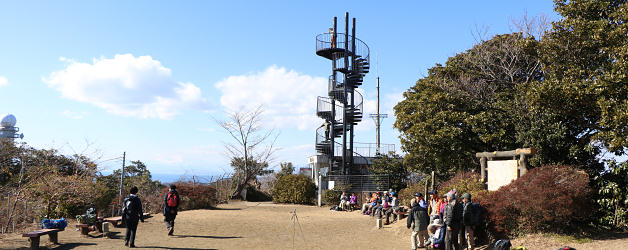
73, 115
3, 81
127, 85
288, 97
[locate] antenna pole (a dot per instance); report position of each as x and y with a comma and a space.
377, 117
122, 179
377, 122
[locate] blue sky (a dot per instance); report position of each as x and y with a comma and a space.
151, 77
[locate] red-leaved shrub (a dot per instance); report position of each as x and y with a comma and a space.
553, 198
194, 196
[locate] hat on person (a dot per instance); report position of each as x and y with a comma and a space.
466, 196
385, 192
451, 195
432, 227
172, 186
418, 194
393, 193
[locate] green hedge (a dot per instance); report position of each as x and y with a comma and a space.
331, 197
296, 189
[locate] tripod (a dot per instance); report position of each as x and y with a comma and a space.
294, 220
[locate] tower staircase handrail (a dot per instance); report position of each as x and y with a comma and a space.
358, 101
324, 105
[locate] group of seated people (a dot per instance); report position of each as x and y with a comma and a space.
382, 204
347, 203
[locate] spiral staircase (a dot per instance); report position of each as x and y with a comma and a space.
343, 107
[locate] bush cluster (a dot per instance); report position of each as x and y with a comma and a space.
296, 189
331, 196
194, 195
255, 195
407, 194
464, 182
553, 198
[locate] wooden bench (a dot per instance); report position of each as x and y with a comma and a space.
401, 214
34, 236
115, 221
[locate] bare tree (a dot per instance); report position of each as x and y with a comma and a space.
535, 26
253, 148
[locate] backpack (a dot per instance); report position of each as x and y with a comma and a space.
502, 245
172, 199
127, 207
476, 210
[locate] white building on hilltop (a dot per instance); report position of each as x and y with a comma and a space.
8, 130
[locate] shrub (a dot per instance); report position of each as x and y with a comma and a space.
551, 198
463, 182
407, 194
296, 189
331, 196
252, 194
194, 196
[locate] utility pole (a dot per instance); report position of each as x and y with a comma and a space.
122, 179
377, 118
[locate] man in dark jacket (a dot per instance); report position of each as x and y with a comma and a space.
468, 219
171, 206
453, 221
131, 214
418, 215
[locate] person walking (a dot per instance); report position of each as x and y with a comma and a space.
418, 215
453, 221
131, 214
171, 206
468, 219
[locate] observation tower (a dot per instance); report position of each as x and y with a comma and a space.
342, 108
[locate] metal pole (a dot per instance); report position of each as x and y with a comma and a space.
8, 211
377, 120
354, 70
320, 188
332, 132
344, 110
122, 180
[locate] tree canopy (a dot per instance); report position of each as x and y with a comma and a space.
564, 93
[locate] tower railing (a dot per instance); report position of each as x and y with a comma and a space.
324, 42
358, 101
323, 108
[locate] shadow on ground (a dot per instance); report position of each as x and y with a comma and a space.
224, 208
611, 236
63, 246
175, 248
207, 236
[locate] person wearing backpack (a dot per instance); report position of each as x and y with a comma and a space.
468, 219
171, 206
418, 215
132, 214
453, 221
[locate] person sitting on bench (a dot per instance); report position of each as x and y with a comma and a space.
394, 208
353, 201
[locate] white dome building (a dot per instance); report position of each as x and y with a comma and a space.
8, 130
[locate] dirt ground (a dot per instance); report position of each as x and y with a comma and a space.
253, 225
